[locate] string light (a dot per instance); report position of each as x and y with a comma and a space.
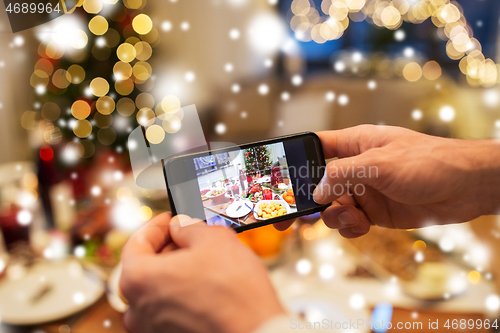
332, 18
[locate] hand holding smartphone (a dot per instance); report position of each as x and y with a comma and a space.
249, 185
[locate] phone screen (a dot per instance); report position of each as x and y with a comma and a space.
252, 185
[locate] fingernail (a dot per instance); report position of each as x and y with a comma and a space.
319, 192
345, 218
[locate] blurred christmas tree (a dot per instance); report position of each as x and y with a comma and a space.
92, 86
257, 159
92, 81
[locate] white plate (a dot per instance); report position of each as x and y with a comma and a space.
265, 179
232, 212
257, 205
112, 292
69, 289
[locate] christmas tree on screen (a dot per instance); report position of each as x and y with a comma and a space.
257, 160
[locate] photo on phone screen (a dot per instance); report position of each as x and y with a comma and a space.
250, 185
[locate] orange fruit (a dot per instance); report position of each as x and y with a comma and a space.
290, 191
267, 241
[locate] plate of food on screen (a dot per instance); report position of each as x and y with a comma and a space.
289, 197
268, 209
239, 208
254, 193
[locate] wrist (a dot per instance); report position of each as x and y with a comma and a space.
485, 167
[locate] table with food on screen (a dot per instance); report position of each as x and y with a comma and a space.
245, 186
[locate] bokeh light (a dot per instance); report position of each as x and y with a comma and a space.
98, 25
82, 128
155, 134
105, 105
126, 52
142, 24
99, 86
80, 109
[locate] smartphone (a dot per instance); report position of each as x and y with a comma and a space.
249, 185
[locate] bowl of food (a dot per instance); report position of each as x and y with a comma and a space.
267, 209
204, 193
289, 197
217, 195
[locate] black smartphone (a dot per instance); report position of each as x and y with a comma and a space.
249, 185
